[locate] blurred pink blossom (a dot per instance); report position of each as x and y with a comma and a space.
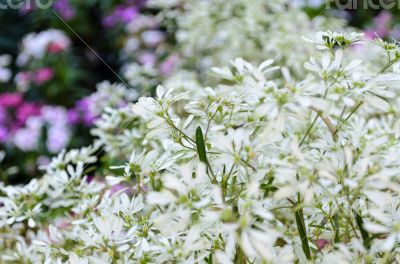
27, 110
10, 99
119, 187
43, 75
381, 26
54, 47
168, 66
321, 243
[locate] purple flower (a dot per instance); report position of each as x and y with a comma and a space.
63, 7
73, 116
148, 59
57, 138
83, 106
152, 37
119, 187
55, 115
381, 26
26, 8
127, 14
121, 14
383, 19
3, 134
27, 138
3, 115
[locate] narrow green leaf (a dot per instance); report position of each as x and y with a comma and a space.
337, 231
302, 233
201, 147
364, 233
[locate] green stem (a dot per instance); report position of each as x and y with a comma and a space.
387, 66
348, 117
308, 130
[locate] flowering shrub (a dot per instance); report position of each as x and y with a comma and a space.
264, 167
151, 42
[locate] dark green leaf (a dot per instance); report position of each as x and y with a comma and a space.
201, 148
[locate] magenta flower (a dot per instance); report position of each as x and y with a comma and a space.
27, 110
3, 115
10, 99
43, 75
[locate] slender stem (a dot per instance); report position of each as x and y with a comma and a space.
180, 131
209, 122
332, 128
348, 117
387, 66
308, 130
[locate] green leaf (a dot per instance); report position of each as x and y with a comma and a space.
364, 234
302, 232
201, 147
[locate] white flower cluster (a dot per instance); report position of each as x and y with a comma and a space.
36, 45
213, 32
261, 168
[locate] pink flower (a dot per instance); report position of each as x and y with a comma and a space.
43, 75
321, 243
381, 26
383, 19
54, 47
27, 110
10, 99
169, 64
